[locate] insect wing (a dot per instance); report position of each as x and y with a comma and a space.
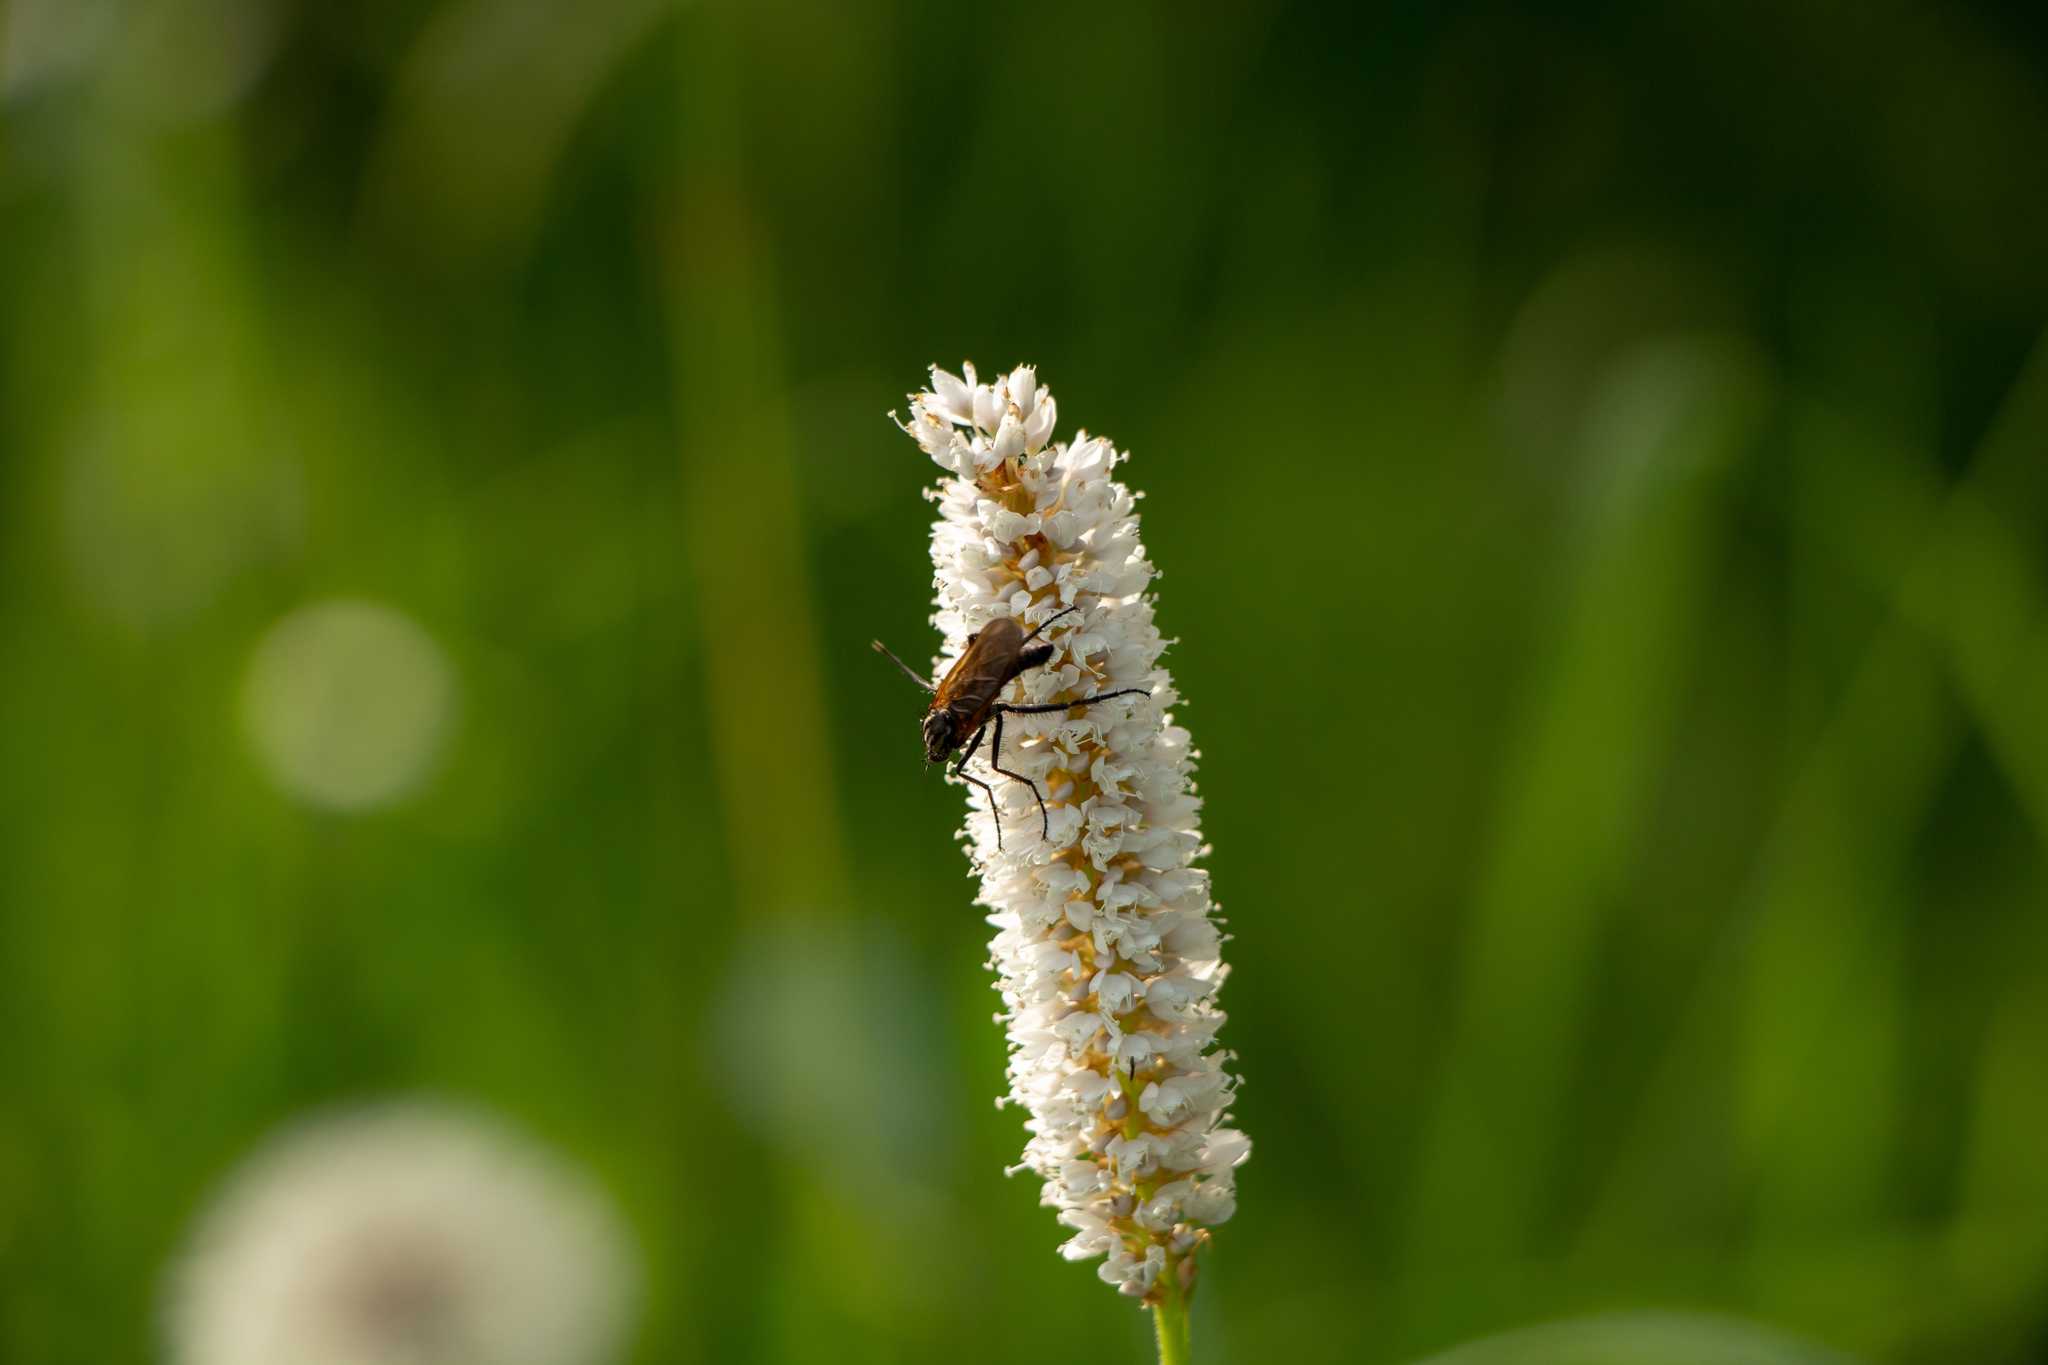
975, 678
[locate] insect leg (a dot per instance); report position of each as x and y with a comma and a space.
1120, 692
1051, 706
1048, 621
990, 792
972, 745
995, 761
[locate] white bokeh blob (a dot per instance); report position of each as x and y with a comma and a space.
408, 1232
348, 704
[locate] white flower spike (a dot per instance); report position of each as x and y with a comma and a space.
1109, 956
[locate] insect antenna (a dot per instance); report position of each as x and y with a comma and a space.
909, 672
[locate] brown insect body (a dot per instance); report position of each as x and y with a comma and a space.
961, 705
964, 702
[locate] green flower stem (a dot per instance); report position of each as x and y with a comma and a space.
1170, 1316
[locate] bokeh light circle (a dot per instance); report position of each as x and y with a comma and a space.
347, 704
407, 1232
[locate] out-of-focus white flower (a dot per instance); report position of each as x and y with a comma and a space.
1108, 955
408, 1233
347, 704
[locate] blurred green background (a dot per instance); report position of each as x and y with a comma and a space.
1598, 456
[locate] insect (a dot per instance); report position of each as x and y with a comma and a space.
964, 703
